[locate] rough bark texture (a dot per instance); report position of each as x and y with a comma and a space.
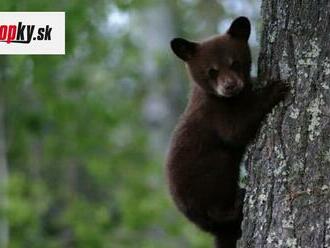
288, 200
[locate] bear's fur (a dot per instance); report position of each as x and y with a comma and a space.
223, 115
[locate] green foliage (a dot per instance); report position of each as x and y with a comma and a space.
83, 170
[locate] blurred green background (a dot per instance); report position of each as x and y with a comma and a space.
83, 136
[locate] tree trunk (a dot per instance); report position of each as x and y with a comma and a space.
4, 227
288, 201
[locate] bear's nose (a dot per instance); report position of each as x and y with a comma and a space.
230, 86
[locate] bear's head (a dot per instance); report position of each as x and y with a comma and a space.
220, 65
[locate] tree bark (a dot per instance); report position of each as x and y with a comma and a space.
288, 201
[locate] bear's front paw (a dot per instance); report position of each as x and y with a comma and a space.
279, 90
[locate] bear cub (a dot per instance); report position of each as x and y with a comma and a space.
222, 116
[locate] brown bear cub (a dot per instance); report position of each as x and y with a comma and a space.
223, 115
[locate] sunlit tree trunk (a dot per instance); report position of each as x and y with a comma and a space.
288, 200
4, 228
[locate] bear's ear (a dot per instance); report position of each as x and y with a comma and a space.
240, 28
184, 49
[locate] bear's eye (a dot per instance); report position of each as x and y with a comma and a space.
235, 66
213, 73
